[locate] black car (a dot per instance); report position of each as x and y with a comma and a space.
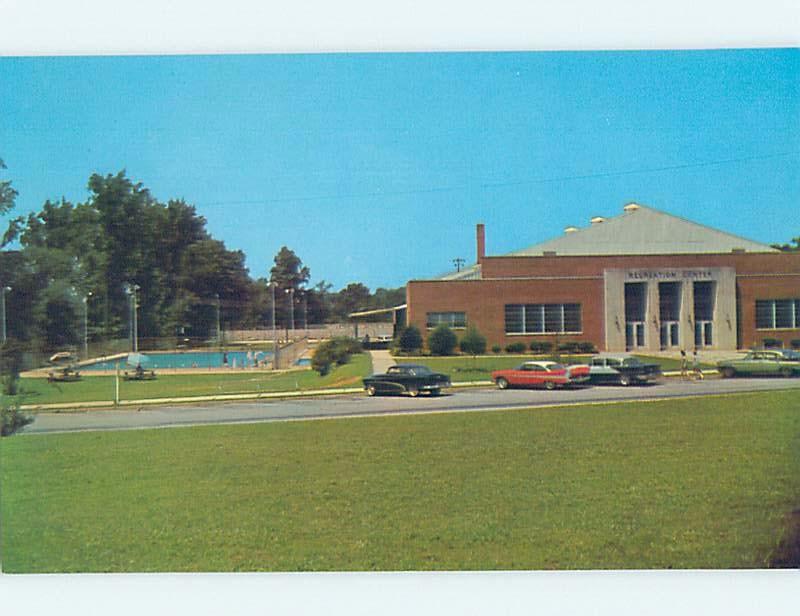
407, 378
622, 370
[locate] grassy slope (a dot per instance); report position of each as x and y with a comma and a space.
668, 484
39, 391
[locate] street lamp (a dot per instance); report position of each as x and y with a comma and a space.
3, 291
219, 338
291, 306
130, 291
275, 349
86, 325
305, 312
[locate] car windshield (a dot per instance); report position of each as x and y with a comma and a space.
555, 367
631, 361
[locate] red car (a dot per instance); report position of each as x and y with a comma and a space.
547, 374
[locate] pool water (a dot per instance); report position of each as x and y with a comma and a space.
189, 359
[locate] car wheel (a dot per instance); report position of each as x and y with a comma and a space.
786, 372
371, 391
502, 383
413, 392
624, 380
435, 392
728, 373
549, 385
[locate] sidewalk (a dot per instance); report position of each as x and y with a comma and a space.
381, 361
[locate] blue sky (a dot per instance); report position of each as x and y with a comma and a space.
376, 167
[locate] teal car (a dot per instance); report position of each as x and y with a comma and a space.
760, 363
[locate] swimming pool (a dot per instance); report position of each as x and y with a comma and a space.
189, 359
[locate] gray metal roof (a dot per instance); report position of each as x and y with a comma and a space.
642, 230
473, 272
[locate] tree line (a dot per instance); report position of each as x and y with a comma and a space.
81, 267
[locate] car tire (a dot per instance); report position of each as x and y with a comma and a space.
786, 372
502, 383
413, 392
435, 392
549, 385
371, 391
624, 380
727, 373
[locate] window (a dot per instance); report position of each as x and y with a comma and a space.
778, 313
543, 318
451, 319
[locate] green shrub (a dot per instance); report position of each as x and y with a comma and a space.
515, 347
541, 346
334, 351
473, 342
442, 341
12, 419
568, 347
772, 343
410, 340
323, 358
587, 347
795, 343
496, 348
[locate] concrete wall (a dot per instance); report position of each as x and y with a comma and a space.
315, 332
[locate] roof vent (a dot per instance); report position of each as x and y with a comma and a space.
596, 220
549, 253
631, 207
570, 229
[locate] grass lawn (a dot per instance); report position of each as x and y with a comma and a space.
464, 368
39, 391
681, 483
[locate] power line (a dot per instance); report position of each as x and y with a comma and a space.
489, 185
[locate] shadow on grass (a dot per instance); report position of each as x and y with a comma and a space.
787, 556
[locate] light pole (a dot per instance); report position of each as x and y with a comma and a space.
274, 331
291, 308
86, 325
130, 290
305, 312
219, 338
3, 292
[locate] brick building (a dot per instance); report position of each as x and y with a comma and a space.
644, 280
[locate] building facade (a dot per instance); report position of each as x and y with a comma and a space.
641, 281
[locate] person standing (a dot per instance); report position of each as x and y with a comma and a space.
696, 372
684, 365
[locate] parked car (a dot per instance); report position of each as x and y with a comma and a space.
407, 378
547, 374
760, 363
622, 370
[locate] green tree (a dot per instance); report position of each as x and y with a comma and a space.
354, 297
793, 247
7, 193
473, 342
442, 340
288, 271
410, 340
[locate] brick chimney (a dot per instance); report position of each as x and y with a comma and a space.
481, 237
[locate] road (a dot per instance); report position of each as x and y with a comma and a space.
358, 405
